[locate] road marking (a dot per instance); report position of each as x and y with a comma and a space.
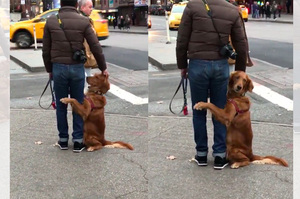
135, 100
273, 97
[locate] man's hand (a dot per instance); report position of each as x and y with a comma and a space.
184, 73
105, 72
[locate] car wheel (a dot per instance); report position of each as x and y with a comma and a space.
23, 40
245, 20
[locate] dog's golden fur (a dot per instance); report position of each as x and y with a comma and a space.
92, 112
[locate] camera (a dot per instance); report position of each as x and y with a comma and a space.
228, 51
79, 56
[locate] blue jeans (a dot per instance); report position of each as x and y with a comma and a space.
68, 79
208, 76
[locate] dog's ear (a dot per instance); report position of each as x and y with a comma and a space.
249, 84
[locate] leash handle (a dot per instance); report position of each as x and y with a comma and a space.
53, 104
183, 83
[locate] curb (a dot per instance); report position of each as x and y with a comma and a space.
128, 32
271, 21
162, 66
27, 67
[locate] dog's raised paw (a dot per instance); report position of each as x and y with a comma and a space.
64, 100
199, 106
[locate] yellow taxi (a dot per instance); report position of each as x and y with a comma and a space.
244, 10
22, 33
176, 14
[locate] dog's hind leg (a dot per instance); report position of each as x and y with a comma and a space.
238, 159
94, 148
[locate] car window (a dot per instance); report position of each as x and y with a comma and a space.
45, 16
178, 9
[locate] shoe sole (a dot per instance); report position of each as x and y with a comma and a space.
63, 148
201, 164
78, 151
222, 167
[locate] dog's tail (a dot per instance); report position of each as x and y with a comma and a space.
269, 160
118, 144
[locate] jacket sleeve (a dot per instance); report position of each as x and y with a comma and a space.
184, 33
95, 47
240, 44
47, 49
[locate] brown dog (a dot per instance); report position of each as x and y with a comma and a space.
92, 113
236, 117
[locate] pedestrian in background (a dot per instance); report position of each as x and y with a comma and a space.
119, 22
268, 10
122, 22
63, 57
85, 9
115, 22
127, 22
274, 9
263, 9
198, 41
279, 8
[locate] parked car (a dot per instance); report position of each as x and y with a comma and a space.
244, 10
176, 14
22, 33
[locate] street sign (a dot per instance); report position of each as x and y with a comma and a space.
111, 3
22, 2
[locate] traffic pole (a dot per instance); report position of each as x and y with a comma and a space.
34, 35
168, 30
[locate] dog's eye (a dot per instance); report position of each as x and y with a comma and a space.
237, 77
244, 80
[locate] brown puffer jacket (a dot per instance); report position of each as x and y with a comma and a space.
56, 47
198, 39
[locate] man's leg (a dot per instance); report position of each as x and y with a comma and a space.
77, 77
218, 97
198, 79
61, 89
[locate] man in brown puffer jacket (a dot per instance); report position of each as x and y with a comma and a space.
208, 70
61, 41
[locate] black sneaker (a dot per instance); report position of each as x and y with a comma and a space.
201, 160
220, 163
78, 147
62, 145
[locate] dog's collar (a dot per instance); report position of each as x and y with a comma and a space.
98, 92
91, 102
238, 111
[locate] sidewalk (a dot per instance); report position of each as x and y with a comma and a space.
285, 18
44, 171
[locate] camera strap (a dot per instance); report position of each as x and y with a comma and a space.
210, 15
61, 25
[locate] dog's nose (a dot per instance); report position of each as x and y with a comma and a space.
238, 88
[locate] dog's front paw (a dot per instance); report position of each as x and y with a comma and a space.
65, 100
199, 106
